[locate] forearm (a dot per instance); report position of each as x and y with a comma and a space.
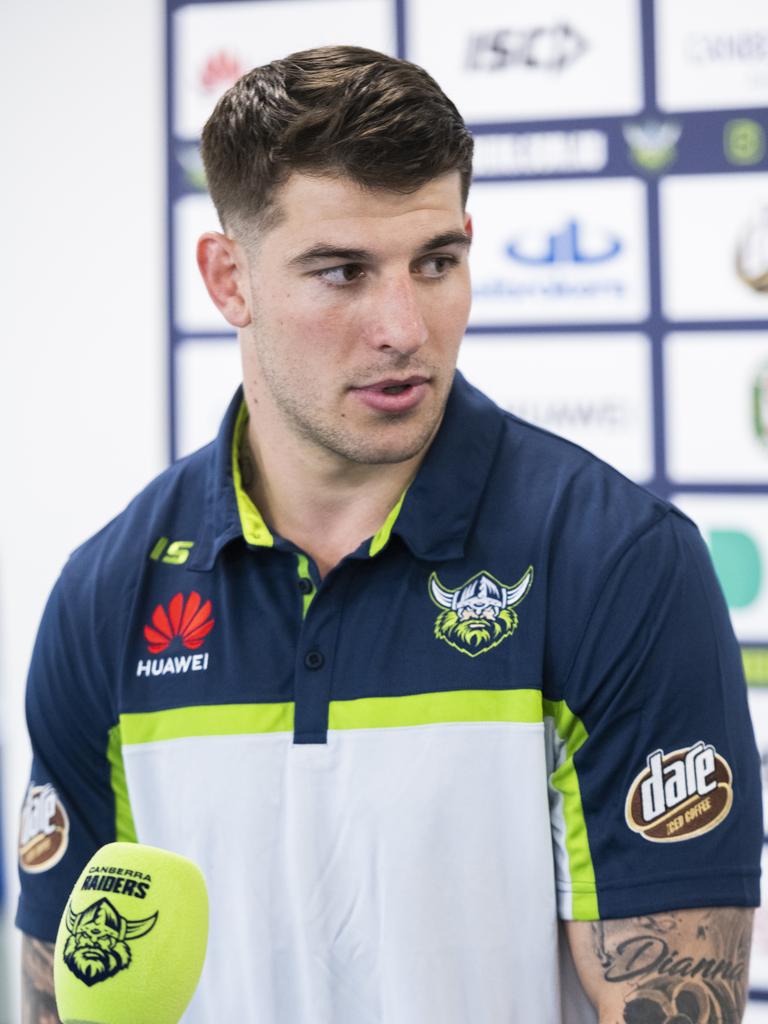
38, 1004
685, 964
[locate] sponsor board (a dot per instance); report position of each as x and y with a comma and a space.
755, 660
758, 708
680, 795
724, 372
735, 527
207, 374
501, 63
743, 142
593, 389
758, 964
760, 405
514, 154
758, 704
752, 252
652, 144
756, 1011
215, 43
559, 252
713, 263
711, 56
44, 829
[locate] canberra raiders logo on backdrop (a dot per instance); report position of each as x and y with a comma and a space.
97, 944
479, 614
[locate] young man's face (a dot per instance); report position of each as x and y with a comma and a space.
358, 302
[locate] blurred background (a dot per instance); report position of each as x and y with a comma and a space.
620, 269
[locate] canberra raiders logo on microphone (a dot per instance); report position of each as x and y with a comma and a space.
97, 945
479, 614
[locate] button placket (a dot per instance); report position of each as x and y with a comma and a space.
314, 659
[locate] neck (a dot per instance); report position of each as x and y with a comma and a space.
324, 504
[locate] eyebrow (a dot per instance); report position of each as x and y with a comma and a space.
322, 251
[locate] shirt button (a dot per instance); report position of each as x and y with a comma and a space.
305, 586
314, 659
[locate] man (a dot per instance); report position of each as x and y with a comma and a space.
410, 679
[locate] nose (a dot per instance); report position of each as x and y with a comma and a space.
395, 319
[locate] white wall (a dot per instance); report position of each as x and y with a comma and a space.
82, 319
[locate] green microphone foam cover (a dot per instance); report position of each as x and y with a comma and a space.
132, 939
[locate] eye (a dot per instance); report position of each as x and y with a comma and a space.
345, 274
437, 266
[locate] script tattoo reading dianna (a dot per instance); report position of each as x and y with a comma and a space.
684, 967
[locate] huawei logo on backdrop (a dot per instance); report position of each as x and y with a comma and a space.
221, 70
189, 620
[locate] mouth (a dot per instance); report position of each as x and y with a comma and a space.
393, 395
392, 386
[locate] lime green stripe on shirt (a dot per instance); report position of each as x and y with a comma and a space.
571, 730
125, 830
433, 708
209, 720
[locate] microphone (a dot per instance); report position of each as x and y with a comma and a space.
132, 939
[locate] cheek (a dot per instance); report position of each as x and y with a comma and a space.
449, 325
449, 312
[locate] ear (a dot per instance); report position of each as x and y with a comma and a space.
468, 224
223, 266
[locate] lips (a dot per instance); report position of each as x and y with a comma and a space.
392, 394
393, 385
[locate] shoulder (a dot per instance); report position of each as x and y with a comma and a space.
575, 498
606, 553
169, 509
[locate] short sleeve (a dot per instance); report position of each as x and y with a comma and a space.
654, 783
69, 809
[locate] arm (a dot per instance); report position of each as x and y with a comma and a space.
38, 1005
682, 965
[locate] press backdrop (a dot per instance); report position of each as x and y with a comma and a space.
620, 265
620, 261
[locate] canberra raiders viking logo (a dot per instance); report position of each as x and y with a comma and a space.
479, 614
97, 945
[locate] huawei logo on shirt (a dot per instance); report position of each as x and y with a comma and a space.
187, 620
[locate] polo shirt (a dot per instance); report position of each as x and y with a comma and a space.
520, 701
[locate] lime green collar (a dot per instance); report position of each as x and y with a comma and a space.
255, 530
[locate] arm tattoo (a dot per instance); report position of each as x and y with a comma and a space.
684, 967
38, 1004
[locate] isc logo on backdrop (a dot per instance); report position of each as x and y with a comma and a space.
504, 63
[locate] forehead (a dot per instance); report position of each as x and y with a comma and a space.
328, 208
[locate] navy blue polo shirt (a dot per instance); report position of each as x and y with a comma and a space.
520, 700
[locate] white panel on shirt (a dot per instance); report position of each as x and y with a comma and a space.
394, 876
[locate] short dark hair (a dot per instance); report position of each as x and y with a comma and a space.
382, 122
